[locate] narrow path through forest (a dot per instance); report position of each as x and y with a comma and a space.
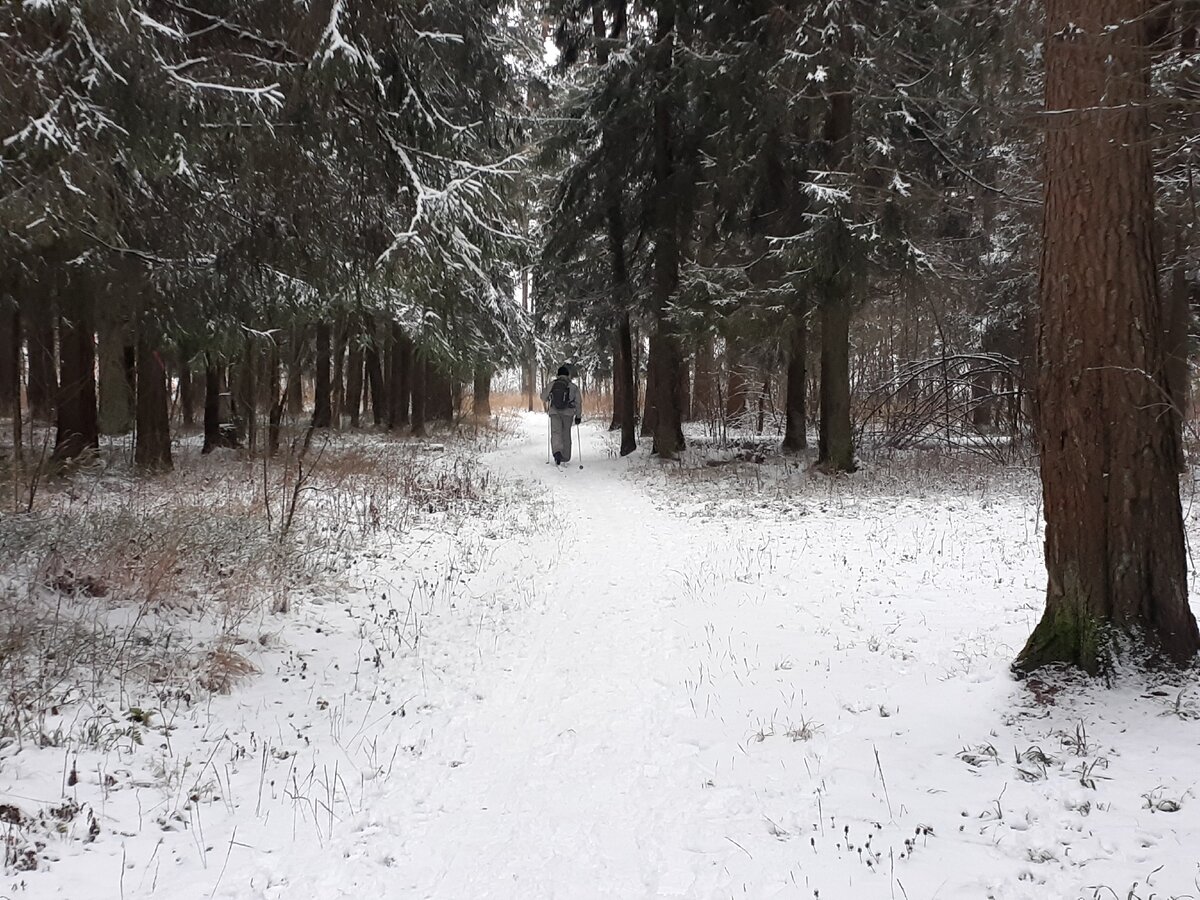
698, 693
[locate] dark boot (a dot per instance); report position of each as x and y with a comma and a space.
557, 458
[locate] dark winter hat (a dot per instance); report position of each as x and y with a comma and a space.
563, 370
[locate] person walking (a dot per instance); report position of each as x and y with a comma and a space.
564, 404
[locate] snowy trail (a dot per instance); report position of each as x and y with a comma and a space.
688, 688
576, 781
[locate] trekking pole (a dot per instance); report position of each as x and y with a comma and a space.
579, 442
547, 440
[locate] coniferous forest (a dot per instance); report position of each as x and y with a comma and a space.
283, 286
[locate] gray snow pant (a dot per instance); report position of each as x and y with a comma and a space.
560, 433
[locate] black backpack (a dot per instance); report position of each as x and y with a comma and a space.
560, 394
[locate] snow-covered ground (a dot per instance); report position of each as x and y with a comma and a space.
628, 681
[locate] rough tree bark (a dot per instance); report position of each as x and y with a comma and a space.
338, 400
374, 370
666, 351
400, 386
481, 404
152, 449
703, 380
187, 389
628, 386
354, 380
795, 436
220, 429
836, 438
735, 379
295, 373
650, 400
322, 416
116, 387
419, 373
78, 427
835, 442
1115, 557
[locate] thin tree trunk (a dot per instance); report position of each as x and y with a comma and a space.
735, 379
278, 401
10, 355
322, 416
617, 385
1115, 555
152, 449
187, 390
481, 404
338, 401
12, 363
247, 392
628, 382
795, 436
702, 380
78, 427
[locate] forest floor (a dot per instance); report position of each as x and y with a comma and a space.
631, 680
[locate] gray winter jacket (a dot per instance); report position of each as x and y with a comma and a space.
576, 398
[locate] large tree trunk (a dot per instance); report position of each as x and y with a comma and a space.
400, 387
42, 384
481, 404
374, 369
322, 416
835, 444
1178, 326
668, 425
665, 351
78, 427
795, 435
1115, 552
836, 439
295, 373
420, 370
220, 428
153, 447
650, 400
439, 405
116, 382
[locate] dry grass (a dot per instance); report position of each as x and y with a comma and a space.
121, 591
